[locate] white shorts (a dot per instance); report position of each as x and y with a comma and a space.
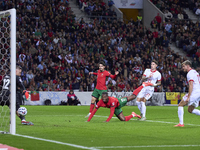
194, 99
146, 93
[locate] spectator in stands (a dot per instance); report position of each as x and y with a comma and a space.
168, 15
168, 28
159, 21
72, 99
62, 36
139, 19
197, 12
154, 24
180, 16
110, 3
198, 55
195, 64
84, 5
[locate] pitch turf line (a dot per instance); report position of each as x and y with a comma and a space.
109, 147
197, 125
147, 146
57, 142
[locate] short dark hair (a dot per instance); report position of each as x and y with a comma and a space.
155, 61
103, 63
187, 62
105, 93
18, 67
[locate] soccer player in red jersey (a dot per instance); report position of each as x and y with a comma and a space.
115, 104
101, 84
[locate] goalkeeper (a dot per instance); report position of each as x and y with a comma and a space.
20, 91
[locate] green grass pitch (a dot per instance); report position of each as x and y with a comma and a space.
66, 129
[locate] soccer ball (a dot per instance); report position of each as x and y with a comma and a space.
22, 111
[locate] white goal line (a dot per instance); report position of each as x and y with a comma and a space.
103, 147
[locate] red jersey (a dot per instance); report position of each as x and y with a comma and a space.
101, 79
112, 104
158, 19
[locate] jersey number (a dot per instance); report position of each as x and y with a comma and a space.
6, 83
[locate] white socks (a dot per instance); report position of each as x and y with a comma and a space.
180, 114
196, 112
143, 110
139, 105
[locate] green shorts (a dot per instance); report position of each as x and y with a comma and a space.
97, 93
122, 103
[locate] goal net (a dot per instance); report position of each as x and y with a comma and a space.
8, 68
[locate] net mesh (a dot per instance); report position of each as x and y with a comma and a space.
5, 69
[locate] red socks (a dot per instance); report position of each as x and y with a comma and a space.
136, 91
91, 107
127, 118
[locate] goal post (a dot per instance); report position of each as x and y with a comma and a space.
13, 71
8, 67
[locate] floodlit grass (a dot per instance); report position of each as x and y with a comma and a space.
67, 124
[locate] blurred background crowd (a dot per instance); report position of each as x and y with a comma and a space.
57, 53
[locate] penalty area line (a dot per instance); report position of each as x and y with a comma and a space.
57, 142
146, 146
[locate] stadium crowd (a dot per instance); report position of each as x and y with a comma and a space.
97, 8
57, 53
181, 29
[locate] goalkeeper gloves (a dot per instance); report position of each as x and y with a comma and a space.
27, 95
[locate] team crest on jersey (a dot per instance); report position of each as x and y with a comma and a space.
113, 103
102, 74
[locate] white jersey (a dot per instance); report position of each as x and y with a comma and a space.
193, 75
156, 77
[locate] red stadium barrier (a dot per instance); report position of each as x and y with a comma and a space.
6, 147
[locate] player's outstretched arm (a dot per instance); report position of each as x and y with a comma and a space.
114, 76
112, 110
144, 78
157, 84
94, 73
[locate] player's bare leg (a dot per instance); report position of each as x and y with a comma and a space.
92, 105
191, 109
131, 97
127, 118
181, 113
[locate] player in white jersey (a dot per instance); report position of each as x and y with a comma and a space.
193, 96
149, 75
